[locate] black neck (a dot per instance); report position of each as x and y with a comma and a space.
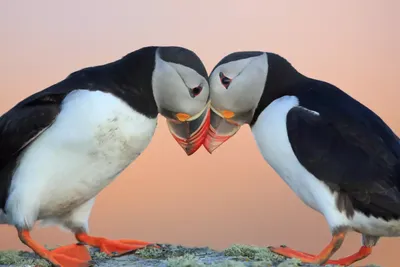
132, 76
280, 80
129, 78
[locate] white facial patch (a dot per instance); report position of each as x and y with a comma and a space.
172, 84
244, 92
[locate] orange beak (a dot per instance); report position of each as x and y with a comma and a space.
190, 131
221, 128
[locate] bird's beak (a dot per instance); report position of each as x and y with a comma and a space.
223, 126
189, 131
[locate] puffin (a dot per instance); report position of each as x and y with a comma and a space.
338, 156
61, 146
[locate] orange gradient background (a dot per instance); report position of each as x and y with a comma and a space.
232, 196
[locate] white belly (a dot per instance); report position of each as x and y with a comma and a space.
271, 136
94, 138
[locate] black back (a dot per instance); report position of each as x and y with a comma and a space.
128, 78
347, 146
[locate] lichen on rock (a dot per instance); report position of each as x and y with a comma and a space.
21, 259
261, 254
171, 256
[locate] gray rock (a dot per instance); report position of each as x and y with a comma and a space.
171, 256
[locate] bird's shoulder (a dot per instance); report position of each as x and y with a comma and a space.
22, 123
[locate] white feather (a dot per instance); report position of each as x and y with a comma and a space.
271, 136
93, 139
76, 220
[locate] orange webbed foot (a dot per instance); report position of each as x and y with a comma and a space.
309, 258
66, 256
114, 247
360, 255
322, 258
302, 256
121, 247
70, 256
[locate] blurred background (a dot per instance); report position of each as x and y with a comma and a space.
232, 196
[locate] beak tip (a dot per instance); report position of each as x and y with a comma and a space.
210, 145
190, 152
209, 150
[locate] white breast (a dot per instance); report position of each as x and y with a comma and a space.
271, 136
93, 139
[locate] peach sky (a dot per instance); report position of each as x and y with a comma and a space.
232, 196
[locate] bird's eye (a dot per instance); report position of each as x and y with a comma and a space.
196, 91
225, 80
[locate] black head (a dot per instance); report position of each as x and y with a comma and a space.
242, 84
175, 80
184, 57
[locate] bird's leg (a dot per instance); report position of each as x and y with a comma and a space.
322, 258
366, 249
361, 254
112, 247
66, 256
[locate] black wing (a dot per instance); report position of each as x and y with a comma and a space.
18, 128
21, 125
348, 147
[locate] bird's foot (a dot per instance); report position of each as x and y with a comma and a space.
302, 256
66, 256
322, 258
69, 256
309, 258
360, 255
114, 247
121, 247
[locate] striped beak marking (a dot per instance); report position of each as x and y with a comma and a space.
222, 127
190, 131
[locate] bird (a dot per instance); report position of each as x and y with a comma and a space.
61, 146
337, 155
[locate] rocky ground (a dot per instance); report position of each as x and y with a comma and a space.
172, 256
